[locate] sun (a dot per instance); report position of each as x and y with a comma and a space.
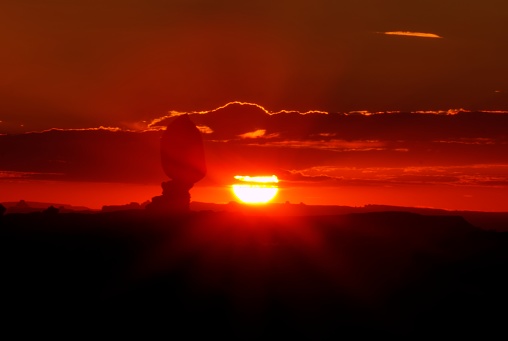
256, 189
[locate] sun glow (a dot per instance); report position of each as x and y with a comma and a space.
256, 189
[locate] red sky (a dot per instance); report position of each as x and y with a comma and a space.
126, 64
454, 160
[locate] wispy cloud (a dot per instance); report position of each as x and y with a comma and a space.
101, 128
412, 34
28, 175
472, 141
229, 107
205, 129
297, 176
353, 131
472, 175
334, 145
253, 134
156, 121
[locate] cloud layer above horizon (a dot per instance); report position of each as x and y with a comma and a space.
456, 148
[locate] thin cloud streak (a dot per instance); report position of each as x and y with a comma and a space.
333, 144
493, 175
18, 175
253, 134
101, 128
413, 34
205, 129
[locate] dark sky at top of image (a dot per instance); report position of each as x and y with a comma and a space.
83, 64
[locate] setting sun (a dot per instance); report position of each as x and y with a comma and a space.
256, 189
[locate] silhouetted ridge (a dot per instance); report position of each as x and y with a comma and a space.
434, 223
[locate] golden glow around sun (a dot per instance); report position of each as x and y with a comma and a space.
256, 189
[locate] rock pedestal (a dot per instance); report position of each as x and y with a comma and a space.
175, 198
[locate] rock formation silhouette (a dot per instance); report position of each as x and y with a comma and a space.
51, 210
22, 204
183, 161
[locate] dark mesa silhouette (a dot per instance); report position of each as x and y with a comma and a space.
183, 161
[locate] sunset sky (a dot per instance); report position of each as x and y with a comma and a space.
347, 102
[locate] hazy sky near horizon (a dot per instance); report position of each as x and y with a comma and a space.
454, 160
80, 64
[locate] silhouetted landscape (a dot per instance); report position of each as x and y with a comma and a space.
169, 265
282, 271
254, 170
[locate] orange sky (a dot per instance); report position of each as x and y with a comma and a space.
95, 195
452, 159
356, 95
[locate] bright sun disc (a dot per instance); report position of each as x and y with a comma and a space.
256, 189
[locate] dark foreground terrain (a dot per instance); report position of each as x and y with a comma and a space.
247, 276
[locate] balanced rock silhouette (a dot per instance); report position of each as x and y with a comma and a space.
183, 161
